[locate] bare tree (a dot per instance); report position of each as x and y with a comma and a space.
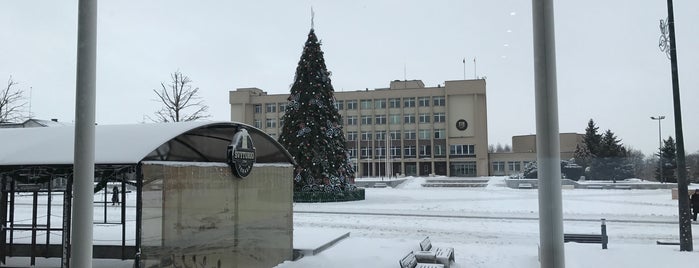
11, 102
178, 99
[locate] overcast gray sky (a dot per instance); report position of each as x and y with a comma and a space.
609, 66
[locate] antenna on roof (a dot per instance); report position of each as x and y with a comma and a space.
405, 72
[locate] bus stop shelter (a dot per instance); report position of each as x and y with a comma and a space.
187, 194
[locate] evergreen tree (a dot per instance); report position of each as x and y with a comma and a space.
592, 139
585, 153
612, 162
312, 126
668, 158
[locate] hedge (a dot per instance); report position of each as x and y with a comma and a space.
320, 197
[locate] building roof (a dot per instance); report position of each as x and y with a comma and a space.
34, 123
131, 144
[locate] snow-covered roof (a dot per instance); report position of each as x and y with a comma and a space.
131, 144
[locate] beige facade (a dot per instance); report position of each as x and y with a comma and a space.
423, 130
524, 152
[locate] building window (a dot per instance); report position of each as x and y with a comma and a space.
258, 108
381, 119
394, 119
282, 107
366, 104
409, 134
366, 152
366, 135
271, 107
408, 102
440, 118
463, 169
498, 166
425, 151
380, 135
513, 165
395, 134
258, 123
351, 105
351, 135
395, 151
380, 152
340, 105
380, 104
409, 119
423, 101
439, 150
271, 123
409, 151
424, 134
462, 150
424, 118
394, 103
352, 152
440, 134
438, 101
366, 119
352, 120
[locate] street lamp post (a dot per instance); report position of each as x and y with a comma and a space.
660, 147
682, 191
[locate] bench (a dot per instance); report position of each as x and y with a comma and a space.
409, 261
525, 186
622, 187
443, 255
589, 238
380, 185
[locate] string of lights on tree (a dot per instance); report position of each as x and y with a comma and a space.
312, 126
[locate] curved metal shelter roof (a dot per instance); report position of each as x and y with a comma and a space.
131, 144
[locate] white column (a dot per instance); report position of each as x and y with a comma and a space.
552, 253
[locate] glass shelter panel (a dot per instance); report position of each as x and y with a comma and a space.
203, 216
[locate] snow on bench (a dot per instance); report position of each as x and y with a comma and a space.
443, 255
525, 186
622, 187
409, 261
380, 185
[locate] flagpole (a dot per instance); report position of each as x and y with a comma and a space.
464, 68
474, 68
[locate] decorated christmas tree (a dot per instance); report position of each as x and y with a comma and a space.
312, 126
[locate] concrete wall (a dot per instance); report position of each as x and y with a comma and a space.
199, 214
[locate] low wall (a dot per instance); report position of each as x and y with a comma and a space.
372, 183
567, 183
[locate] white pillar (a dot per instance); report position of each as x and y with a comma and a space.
84, 157
552, 253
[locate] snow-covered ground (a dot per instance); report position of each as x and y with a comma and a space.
493, 226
